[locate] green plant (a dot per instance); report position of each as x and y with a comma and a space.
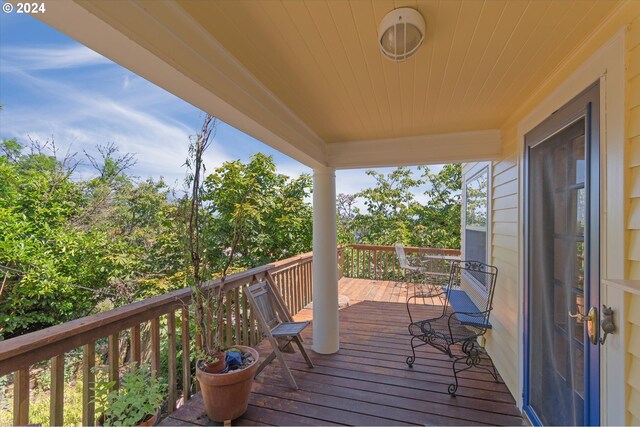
140, 394
207, 303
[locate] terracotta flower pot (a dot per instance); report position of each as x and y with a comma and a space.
226, 396
151, 421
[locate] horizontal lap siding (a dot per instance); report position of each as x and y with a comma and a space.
502, 341
633, 404
633, 221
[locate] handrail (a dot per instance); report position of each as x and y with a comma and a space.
377, 262
25, 350
445, 251
292, 276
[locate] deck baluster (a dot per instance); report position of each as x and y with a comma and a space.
114, 356
155, 346
186, 358
21, 397
56, 405
172, 362
88, 382
136, 352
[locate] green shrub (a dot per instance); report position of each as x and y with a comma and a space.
140, 394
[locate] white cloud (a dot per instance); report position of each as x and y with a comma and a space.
350, 181
294, 169
37, 58
84, 118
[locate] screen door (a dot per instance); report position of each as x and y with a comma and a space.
562, 258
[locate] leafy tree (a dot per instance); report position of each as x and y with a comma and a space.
39, 199
110, 165
73, 244
476, 214
277, 218
141, 223
389, 205
393, 215
438, 222
347, 211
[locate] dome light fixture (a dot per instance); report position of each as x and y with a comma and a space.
401, 33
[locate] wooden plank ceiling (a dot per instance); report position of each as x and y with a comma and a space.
479, 61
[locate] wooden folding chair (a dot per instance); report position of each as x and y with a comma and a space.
276, 325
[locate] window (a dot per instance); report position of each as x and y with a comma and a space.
476, 216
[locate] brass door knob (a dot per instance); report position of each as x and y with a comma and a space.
591, 319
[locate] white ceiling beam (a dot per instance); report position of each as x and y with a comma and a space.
190, 64
471, 146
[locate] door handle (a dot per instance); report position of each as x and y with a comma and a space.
579, 317
591, 319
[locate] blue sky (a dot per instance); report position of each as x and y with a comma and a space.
53, 87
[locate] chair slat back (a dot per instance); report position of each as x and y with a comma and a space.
267, 304
402, 257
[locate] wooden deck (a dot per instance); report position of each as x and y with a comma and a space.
367, 382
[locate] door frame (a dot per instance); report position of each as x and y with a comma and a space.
583, 105
606, 65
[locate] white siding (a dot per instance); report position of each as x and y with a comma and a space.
504, 255
504, 252
633, 220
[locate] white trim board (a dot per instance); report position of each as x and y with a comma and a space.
468, 175
607, 66
482, 145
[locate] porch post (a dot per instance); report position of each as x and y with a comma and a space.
325, 262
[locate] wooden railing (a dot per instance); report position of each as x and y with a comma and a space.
147, 330
141, 329
381, 263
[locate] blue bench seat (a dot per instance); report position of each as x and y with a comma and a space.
461, 302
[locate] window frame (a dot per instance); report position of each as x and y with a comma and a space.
475, 173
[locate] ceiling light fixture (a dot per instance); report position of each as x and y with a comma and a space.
401, 33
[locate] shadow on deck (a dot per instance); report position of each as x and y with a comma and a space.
368, 382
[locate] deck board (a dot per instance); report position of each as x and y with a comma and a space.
368, 382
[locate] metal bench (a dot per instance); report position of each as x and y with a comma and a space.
467, 304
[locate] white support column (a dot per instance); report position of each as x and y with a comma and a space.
326, 338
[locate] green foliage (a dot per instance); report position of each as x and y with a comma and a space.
74, 243
347, 211
74, 246
276, 218
140, 394
389, 206
40, 393
38, 200
393, 214
438, 222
